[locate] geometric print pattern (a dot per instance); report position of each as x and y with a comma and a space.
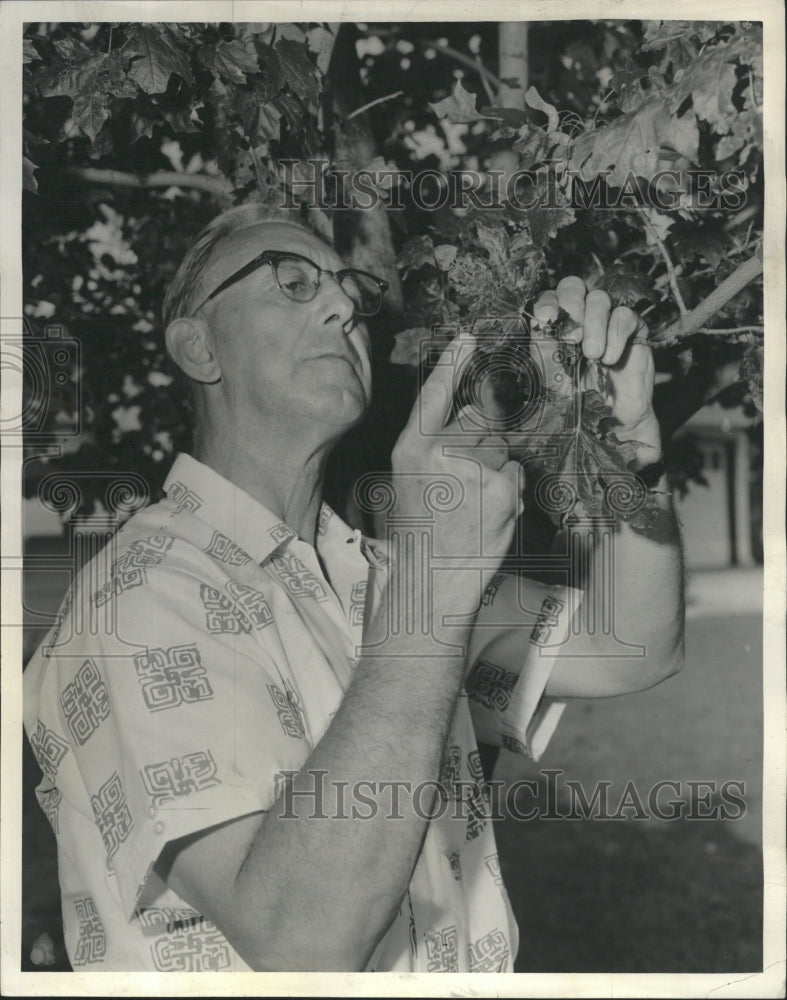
85, 702
288, 710
489, 953
547, 618
193, 943
49, 799
490, 685
246, 611
183, 497
478, 801
299, 581
168, 779
492, 865
226, 551
49, 749
204, 950
92, 943
112, 815
357, 603
492, 588
442, 950
128, 570
170, 677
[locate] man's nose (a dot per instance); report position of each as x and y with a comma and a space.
336, 304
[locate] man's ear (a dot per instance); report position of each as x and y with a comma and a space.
189, 344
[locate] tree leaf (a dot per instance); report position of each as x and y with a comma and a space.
269, 124
532, 146
407, 346
546, 216
90, 112
624, 286
709, 81
445, 255
69, 79
294, 68
494, 242
709, 241
156, 55
321, 42
534, 100
631, 144
627, 84
72, 49
141, 124
416, 252
459, 107
29, 51
230, 60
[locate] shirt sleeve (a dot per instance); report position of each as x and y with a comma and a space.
518, 633
173, 709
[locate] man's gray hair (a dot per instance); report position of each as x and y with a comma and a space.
187, 283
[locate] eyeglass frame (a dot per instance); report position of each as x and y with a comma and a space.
273, 256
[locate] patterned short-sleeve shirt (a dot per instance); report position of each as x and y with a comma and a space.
196, 661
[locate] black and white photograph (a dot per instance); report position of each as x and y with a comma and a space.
393, 499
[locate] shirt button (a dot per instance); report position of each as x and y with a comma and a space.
152, 812
158, 828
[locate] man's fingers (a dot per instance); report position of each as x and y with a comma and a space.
622, 324
546, 308
571, 297
470, 423
597, 306
433, 405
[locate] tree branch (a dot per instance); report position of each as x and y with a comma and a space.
219, 187
718, 298
671, 273
371, 104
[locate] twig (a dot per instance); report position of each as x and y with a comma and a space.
718, 298
460, 57
673, 278
730, 329
218, 186
371, 104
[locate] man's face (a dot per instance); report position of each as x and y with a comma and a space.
280, 360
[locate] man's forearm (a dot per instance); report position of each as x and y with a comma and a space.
633, 594
315, 891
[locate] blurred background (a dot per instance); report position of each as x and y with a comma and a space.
125, 159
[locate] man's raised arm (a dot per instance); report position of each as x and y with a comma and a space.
634, 577
292, 890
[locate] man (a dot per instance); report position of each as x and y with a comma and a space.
248, 753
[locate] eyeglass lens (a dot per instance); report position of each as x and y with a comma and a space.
300, 280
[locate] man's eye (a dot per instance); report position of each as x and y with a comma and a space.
295, 279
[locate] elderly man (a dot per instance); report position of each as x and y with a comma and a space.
246, 753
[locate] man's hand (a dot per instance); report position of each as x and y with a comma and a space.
613, 338
463, 458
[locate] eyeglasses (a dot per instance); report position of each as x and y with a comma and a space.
299, 279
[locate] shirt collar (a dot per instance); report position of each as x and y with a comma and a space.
195, 487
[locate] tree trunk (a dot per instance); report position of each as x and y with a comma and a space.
366, 232
513, 65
